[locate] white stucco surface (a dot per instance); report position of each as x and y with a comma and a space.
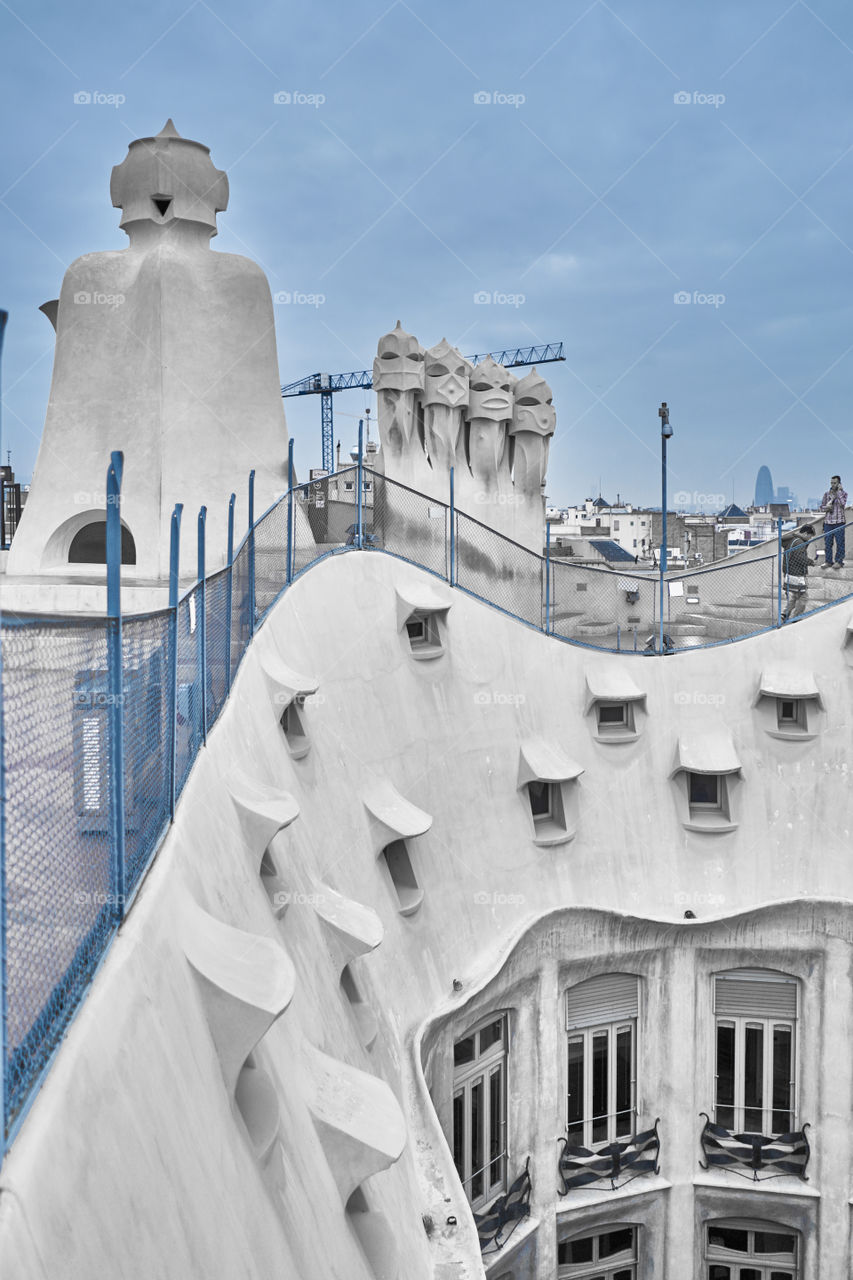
164, 350
136, 1115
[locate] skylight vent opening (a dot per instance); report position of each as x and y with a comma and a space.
408, 891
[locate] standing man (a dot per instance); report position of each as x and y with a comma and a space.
833, 503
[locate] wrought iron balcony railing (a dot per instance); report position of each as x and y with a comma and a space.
626, 1160
508, 1209
785, 1154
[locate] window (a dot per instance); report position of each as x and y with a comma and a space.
365, 1019
707, 774
756, 1012
545, 802
409, 893
704, 790
743, 1250
421, 629
791, 714
293, 727
601, 1019
479, 1110
547, 784
613, 699
615, 719
789, 702
611, 713
424, 635
610, 1255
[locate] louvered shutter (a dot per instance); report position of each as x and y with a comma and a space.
755, 993
608, 998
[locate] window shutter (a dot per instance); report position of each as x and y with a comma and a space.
755, 993
608, 998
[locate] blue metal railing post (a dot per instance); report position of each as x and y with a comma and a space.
115, 676
251, 552
451, 574
358, 528
547, 577
779, 572
202, 621
663, 547
288, 576
4, 1089
174, 567
229, 593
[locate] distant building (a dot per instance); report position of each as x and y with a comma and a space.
733, 513
620, 522
763, 487
636, 530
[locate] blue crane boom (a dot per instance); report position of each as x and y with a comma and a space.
325, 384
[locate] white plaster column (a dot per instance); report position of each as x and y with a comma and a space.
830, 1132
549, 1108
671, 1087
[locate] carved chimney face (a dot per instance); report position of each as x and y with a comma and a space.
533, 409
168, 179
399, 363
491, 392
447, 375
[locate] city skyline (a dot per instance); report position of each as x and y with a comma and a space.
685, 237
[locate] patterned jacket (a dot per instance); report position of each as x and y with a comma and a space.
836, 501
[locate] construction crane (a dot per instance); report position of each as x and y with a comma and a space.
325, 385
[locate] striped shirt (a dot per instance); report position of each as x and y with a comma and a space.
836, 500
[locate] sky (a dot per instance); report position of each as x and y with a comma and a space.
665, 188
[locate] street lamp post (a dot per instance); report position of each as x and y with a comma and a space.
665, 433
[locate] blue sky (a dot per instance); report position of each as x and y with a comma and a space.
583, 187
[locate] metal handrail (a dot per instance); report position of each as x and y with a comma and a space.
476, 1173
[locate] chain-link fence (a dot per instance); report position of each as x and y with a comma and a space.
496, 569
59, 890
218, 590
69, 865
616, 609
147, 713
405, 523
325, 517
270, 557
